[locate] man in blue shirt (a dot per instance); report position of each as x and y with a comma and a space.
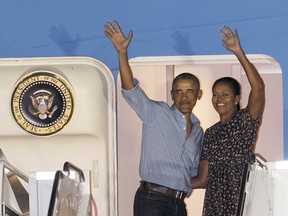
171, 137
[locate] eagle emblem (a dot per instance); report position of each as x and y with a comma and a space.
42, 101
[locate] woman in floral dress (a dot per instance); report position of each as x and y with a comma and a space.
230, 143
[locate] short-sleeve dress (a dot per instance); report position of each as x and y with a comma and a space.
227, 147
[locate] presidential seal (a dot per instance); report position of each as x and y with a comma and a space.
42, 103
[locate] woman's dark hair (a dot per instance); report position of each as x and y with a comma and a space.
234, 85
186, 76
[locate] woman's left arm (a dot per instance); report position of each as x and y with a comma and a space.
256, 102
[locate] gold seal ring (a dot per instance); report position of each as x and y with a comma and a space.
42, 103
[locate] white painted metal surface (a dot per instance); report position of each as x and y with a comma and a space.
267, 189
89, 138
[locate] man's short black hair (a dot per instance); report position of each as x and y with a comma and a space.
186, 76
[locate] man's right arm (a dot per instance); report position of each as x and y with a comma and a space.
121, 43
125, 71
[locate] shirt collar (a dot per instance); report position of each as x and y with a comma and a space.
178, 115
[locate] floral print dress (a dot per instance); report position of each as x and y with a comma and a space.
227, 147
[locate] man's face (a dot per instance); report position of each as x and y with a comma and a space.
185, 95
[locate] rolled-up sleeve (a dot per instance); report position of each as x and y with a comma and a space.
139, 102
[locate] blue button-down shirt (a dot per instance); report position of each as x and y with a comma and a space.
168, 157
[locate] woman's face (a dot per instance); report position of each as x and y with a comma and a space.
224, 100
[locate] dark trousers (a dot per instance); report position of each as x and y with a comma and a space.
151, 203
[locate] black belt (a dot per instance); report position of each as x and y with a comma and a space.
164, 190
